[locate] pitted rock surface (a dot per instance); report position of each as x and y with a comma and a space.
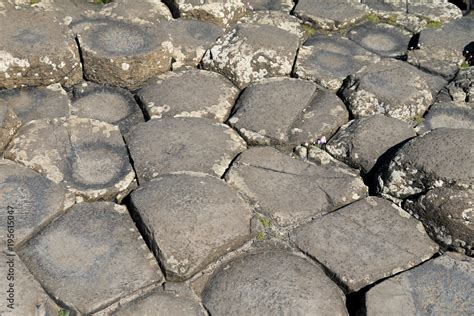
272, 282
170, 95
251, 52
91, 256
88, 156
377, 229
9, 124
291, 191
139, 11
263, 114
183, 144
208, 219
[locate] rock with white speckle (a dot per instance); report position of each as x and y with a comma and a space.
139, 11
270, 5
9, 124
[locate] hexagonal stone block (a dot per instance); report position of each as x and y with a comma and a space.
208, 220
380, 38
9, 124
291, 191
392, 88
87, 155
263, 117
251, 52
440, 158
34, 54
90, 257
330, 14
117, 106
271, 5
189, 93
272, 282
23, 295
374, 227
449, 114
442, 286
34, 103
141, 11
184, 144
122, 53
328, 60
361, 142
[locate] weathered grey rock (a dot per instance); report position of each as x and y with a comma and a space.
272, 283
272, 5
208, 220
440, 158
30, 199
248, 53
330, 14
286, 111
442, 286
9, 124
449, 114
361, 142
189, 40
383, 39
88, 156
139, 11
447, 214
189, 93
161, 303
328, 60
108, 104
39, 53
291, 191
443, 12
388, 240
183, 144
90, 257
461, 88
393, 88
36, 103
122, 53
442, 49
26, 296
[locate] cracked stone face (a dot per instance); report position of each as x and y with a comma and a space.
91, 256
248, 53
209, 219
328, 60
440, 286
9, 124
184, 144
272, 282
117, 106
189, 93
262, 115
122, 53
291, 191
377, 229
88, 156
34, 54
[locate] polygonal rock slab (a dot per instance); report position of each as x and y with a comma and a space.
139, 11
361, 142
271, 5
263, 115
251, 52
36, 103
442, 286
162, 146
383, 39
447, 213
9, 124
440, 158
449, 114
388, 240
393, 88
31, 199
108, 104
34, 54
87, 155
190, 93
330, 14
161, 303
271, 283
442, 49
291, 191
122, 53
22, 295
328, 60
208, 219
91, 256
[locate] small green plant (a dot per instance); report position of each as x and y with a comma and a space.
102, 1
265, 222
34, 1
434, 24
464, 66
418, 119
309, 30
261, 235
64, 312
373, 18
392, 19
